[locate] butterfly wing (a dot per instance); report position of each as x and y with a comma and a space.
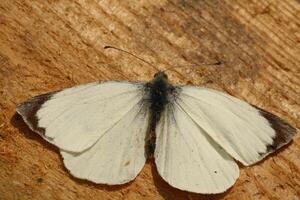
246, 132
187, 158
100, 128
75, 118
201, 131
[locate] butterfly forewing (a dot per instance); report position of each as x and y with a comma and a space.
241, 129
75, 118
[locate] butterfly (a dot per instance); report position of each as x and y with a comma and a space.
105, 131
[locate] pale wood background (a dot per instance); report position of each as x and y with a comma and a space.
50, 45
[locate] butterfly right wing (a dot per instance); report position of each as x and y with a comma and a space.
187, 158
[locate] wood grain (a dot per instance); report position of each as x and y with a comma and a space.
50, 45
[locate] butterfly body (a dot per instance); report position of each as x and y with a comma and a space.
195, 134
159, 90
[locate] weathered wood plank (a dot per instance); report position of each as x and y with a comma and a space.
49, 45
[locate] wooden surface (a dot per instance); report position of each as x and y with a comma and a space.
50, 45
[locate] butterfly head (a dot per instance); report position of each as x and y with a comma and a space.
161, 75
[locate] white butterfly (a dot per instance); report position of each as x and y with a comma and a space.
106, 130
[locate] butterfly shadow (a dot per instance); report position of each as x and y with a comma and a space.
18, 123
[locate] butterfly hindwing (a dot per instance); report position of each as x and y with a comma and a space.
187, 158
118, 156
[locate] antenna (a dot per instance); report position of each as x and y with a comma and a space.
198, 65
111, 47
169, 68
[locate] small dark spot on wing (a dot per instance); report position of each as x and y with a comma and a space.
127, 163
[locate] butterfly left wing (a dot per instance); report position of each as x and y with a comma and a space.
187, 158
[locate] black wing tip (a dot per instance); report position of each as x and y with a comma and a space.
28, 110
284, 131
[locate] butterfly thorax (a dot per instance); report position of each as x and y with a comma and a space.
158, 91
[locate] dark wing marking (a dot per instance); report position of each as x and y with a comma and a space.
284, 131
29, 108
